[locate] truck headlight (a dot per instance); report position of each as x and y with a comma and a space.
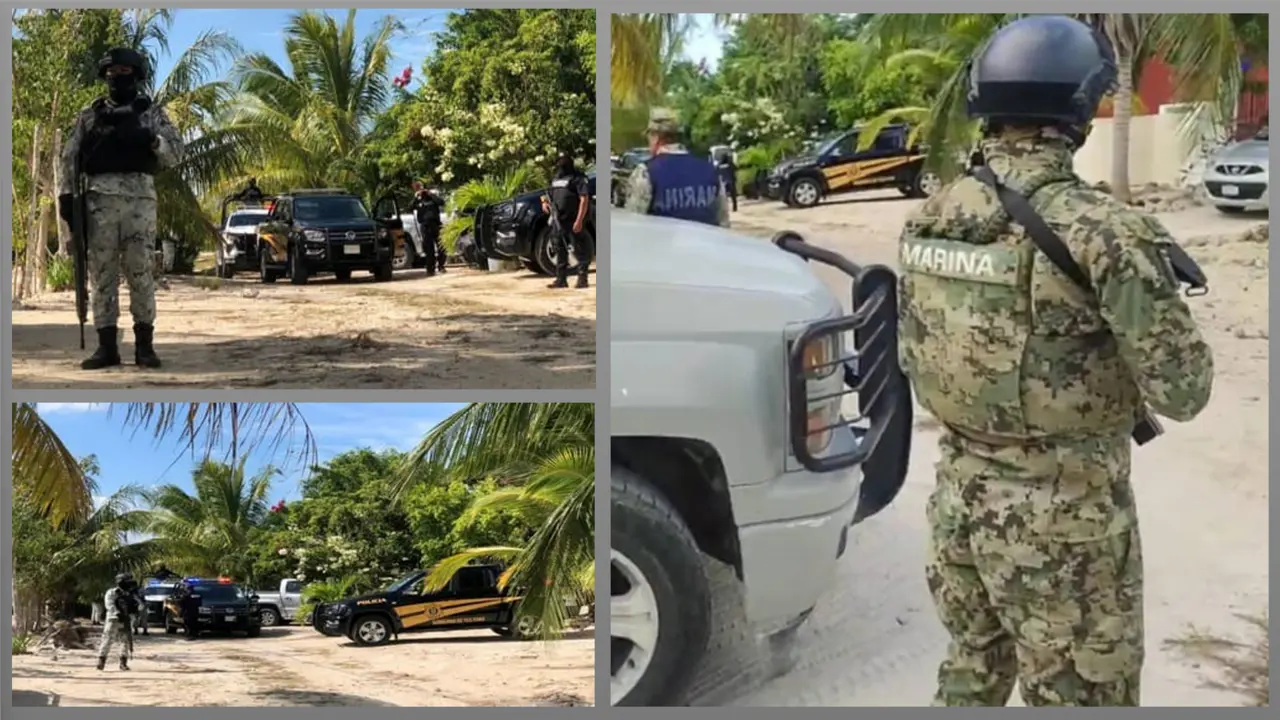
822, 356
315, 236
206, 611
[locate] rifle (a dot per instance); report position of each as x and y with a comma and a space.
80, 244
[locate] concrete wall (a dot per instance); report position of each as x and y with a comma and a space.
1162, 147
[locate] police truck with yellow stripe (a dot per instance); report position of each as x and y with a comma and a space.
893, 160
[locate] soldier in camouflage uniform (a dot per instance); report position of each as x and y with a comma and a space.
1035, 563
119, 626
119, 143
674, 183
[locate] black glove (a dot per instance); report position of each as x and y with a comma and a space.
135, 136
64, 207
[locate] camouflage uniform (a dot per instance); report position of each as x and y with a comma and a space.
121, 220
117, 629
1035, 561
639, 189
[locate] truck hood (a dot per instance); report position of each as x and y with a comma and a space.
242, 229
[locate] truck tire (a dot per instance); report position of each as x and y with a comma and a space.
298, 274
804, 193
408, 259
371, 630
654, 561
269, 617
544, 253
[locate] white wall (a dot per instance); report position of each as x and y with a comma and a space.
1163, 148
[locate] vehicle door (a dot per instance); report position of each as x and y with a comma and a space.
291, 598
887, 157
473, 598
414, 606
840, 164
274, 233
387, 214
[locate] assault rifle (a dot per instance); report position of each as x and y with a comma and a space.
80, 244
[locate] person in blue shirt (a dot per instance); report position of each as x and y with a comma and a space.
675, 183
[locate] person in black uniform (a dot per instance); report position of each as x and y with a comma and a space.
728, 170
426, 211
190, 602
569, 200
251, 192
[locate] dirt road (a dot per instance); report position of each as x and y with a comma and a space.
466, 329
296, 666
1202, 496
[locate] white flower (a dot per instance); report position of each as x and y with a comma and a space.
282, 552
446, 176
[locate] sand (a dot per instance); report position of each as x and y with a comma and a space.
463, 330
296, 666
1201, 490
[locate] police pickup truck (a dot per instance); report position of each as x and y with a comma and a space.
753, 419
223, 607
472, 599
154, 594
280, 604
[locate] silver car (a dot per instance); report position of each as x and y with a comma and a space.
1236, 178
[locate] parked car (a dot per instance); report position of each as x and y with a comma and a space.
237, 247
322, 231
224, 606
1237, 177
519, 229
280, 605
838, 167
410, 251
729, 435
154, 594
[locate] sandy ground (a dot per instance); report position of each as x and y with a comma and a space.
1202, 495
466, 329
296, 666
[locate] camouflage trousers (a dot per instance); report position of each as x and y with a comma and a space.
1035, 567
116, 630
122, 236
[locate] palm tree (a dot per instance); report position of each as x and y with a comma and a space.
208, 532
1203, 50
309, 121
60, 489
548, 451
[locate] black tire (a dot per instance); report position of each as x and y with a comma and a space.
169, 627
265, 274
804, 192
297, 265
220, 266
923, 184
542, 252
649, 531
368, 620
383, 272
531, 265
254, 632
518, 629
408, 259
1228, 210
269, 617
342, 274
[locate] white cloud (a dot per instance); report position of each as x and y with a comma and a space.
68, 408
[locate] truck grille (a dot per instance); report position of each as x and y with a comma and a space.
1247, 191
357, 236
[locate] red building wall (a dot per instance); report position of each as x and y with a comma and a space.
1156, 87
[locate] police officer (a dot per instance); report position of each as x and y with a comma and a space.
569, 198
674, 183
121, 141
251, 192
728, 175
1034, 560
190, 603
119, 623
426, 209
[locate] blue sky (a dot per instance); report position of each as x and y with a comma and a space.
88, 429
262, 31
705, 41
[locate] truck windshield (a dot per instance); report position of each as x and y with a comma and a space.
242, 219
219, 593
403, 582
327, 209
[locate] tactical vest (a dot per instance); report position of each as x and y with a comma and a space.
685, 187
564, 200
998, 345
104, 153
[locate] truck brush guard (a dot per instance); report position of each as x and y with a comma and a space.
871, 371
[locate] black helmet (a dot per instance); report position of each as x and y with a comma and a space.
1049, 69
124, 577
124, 56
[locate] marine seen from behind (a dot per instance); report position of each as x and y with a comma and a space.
1042, 324
673, 182
107, 195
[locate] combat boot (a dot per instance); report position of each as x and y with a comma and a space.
124, 663
561, 278
102, 663
108, 352
582, 281
144, 353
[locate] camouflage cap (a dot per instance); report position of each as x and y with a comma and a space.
663, 121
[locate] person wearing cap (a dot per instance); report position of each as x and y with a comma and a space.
675, 183
119, 625
118, 144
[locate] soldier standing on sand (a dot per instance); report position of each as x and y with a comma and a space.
119, 627
673, 182
119, 143
1034, 560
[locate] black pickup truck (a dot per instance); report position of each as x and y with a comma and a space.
519, 229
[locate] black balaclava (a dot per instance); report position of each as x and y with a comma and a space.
564, 165
122, 88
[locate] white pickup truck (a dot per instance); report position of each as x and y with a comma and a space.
752, 420
279, 606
